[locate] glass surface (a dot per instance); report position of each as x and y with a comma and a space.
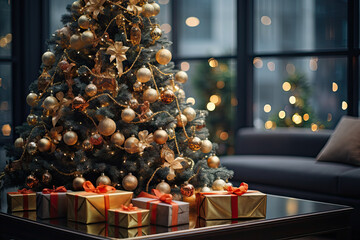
211, 86
307, 92
282, 25
5, 103
5, 29
206, 27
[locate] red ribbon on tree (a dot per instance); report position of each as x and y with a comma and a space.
25, 193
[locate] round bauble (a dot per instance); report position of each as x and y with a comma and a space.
75, 42
133, 103
205, 189
78, 102
163, 56
181, 120
181, 77
31, 181
218, 184
87, 37
156, 8
194, 143
78, 183
131, 145
103, 180
187, 189
213, 162
156, 33
118, 139
190, 113
91, 89
107, 127
228, 184
76, 6
84, 22
130, 182
160, 136
44, 145
143, 75
46, 177
206, 146
148, 10
167, 96
181, 94
96, 139
150, 95
63, 65
163, 187
50, 102
31, 99
87, 145
31, 148
127, 115
70, 138
137, 86
32, 119
48, 58
19, 143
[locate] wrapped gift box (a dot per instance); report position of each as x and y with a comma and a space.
31, 215
223, 205
23, 200
128, 218
119, 232
51, 205
163, 213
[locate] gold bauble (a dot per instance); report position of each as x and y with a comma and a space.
135, 34
163, 187
218, 184
76, 6
131, 145
44, 145
181, 120
103, 180
148, 10
127, 115
143, 75
129, 182
46, 177
87, 145
181, 94
206, 146
160, 136
137, 86
167, 96
19, 143
31, 99
48, 58
78, 183
31, 148
156, 33
75, 42
190, 113
213, 162
150, 95
87, 37
163, 56
133, 103
194, 143
70, 138
107, 127
32, 119
187, 190
91, 89
156, 8
84, 22
205, 189
181, 77
118, 139
50, 102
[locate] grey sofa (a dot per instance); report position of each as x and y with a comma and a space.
283, 162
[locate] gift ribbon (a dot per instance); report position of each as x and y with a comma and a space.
160, 198
129, 208
54, 199
25, 196
54, 190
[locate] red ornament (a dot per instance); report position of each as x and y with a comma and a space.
79, 103
96, 139
187, 189
31, 181
64, 65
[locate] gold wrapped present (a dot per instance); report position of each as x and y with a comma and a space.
92, 205
128, 217
22, 200
232, 204
119, 232
31, 215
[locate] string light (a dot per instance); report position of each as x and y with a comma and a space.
6, 130
282, 114
192, 21
267, 108
271, 66
220, 84
210, 106
314, 127
292, 99
266, 20
191, 100
213, 62
286, 86
185, 66
306, 117
335, 87
296, 118
344, 105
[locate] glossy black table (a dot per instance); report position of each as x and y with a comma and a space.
286, 218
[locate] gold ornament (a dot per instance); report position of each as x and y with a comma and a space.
194, 143
50, 103
167, 96
145, 139
87, 145
160, 136
163, 187
70, 138
84, 22
117, 51
48, 58
205, 189
44, 145
46, 177
134, 104
107, 127
31, 99
127, 115
181, 77
137, 86
181, 120
32, 119
75, 42
181, 94
213, 161
143, 75
163, 56
156, 8
87, 37
206, 146
96, 139
91, 90
19, 143
130, 182
31, 148
135, 34
103, 180
31, 181
187, 190
44, 80
156, 33
132, 145
118, 139
95, 7
78, 183
190, 113
218, 184
150, 95
148, 10
133, 8
76, 6
79, 103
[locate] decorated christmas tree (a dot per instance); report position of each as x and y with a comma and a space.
109, 107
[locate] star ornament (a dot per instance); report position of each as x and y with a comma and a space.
95, 7
117, 51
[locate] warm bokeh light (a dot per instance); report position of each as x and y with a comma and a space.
344, 105
185, 66
163, 2
258, 63
335, 87
269, 125
306, 117
191, 100
216, 99
313, 64
290, 68
234, 101
266, 20
220, 84
282, 114
211, 106
192, 21
314, 127
6, 130
296, 118
165, 27
286, 86
4, 106
271, 66
224, 136
267, 108
213, 62
329, 118
292, 99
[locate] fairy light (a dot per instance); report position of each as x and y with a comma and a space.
224, 136
306, 117
165, 27
269, 125
296, 118
292, 99
213, 62
286, 86
220, 84
314, 127
329, 118
267, 108
192, 22
216, 99
191, 100
344, 105
258, 63
6, 130
282, 114
185, 66
266, 20
335, 87
211, 106
271, 66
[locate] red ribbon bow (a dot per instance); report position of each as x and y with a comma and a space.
24, 191
238, 191
89, 187
165, 198
54, 190
129, 208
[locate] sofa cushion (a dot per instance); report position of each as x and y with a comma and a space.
349, 183
300, 173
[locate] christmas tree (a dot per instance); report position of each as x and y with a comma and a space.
109, 107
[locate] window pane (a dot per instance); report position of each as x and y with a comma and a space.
211, 86
5, 102
56, 10
206, 27
299, 92
283, 25
5, 29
